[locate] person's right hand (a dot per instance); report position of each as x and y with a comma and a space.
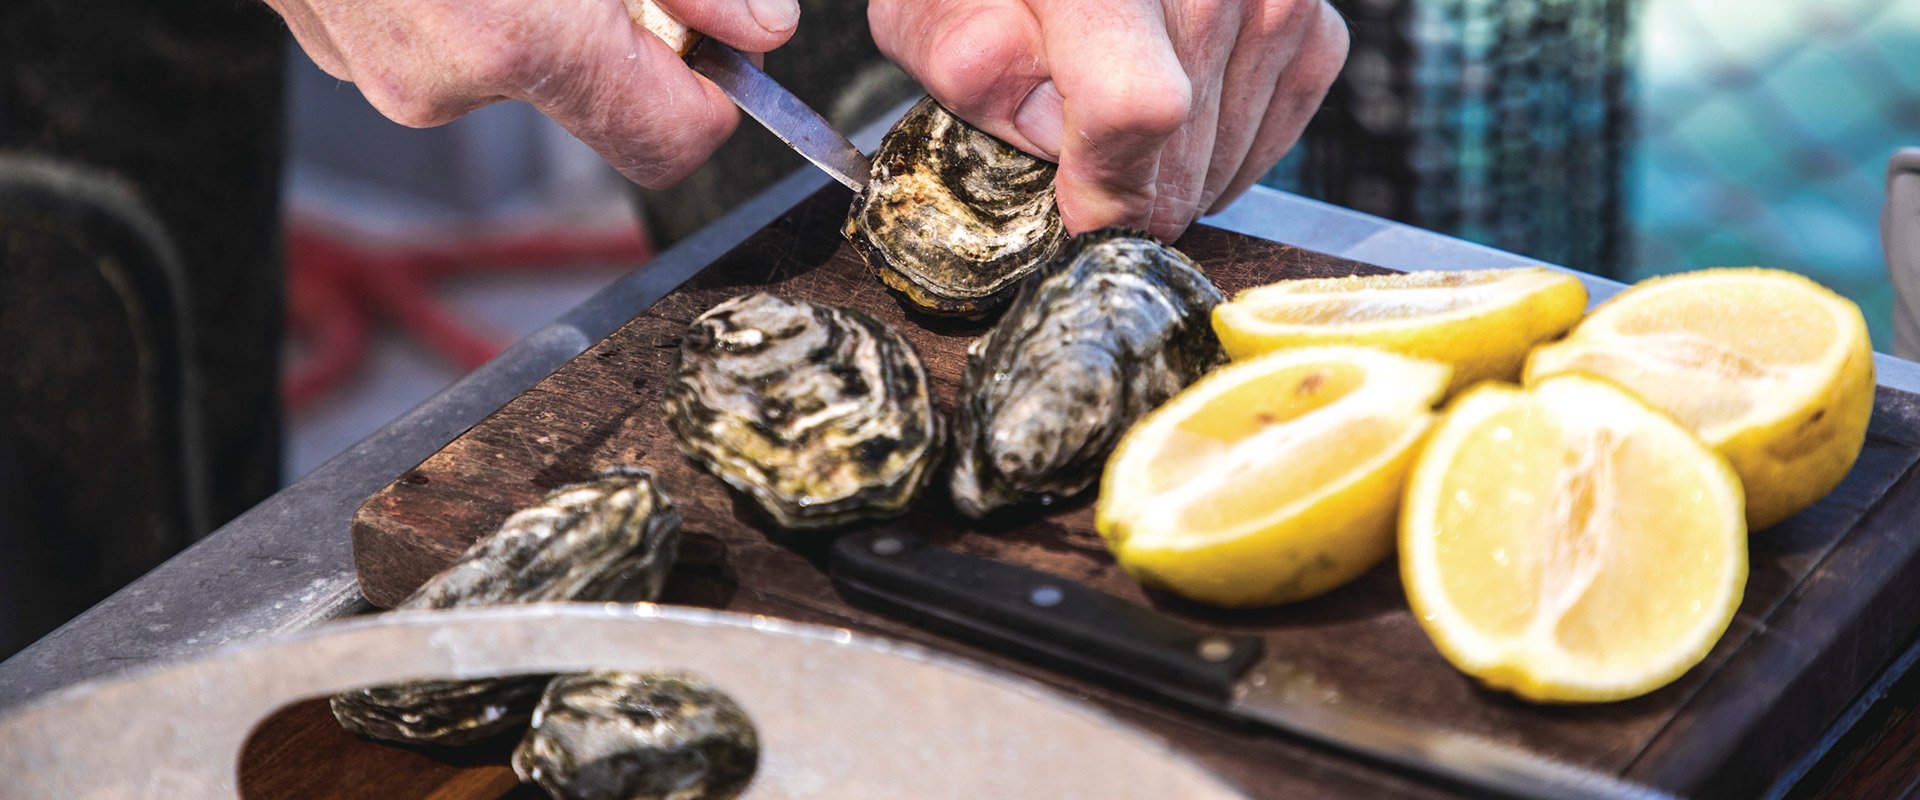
582, 62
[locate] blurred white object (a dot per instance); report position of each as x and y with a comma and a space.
504, 166
1900, 234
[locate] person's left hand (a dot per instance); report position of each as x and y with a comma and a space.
1156, 110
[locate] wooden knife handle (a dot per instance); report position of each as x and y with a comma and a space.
652, 17
1041, 617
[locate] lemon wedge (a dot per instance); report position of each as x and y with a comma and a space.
1767, 367
1568, 543
1270, 480
1482, 322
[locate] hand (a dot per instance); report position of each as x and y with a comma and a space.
1156, 110
582, 62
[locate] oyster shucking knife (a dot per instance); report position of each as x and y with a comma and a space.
1081, 631
762, 97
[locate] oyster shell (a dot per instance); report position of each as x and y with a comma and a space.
953, 218
612, 538
821, 415
638, 736
1110, 329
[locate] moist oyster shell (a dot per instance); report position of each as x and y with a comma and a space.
952, 218
638, 736
1107, 331
821, 415
612, 538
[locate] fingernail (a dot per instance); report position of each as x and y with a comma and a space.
1040, 118
777, 16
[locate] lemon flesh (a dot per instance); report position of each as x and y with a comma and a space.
1481, 322
1767, 367
1568, 543
1270, 480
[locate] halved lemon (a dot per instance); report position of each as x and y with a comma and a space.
1767, 367
1482, 322
1568, 543
1270, 480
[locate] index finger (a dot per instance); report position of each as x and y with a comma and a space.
1124, 93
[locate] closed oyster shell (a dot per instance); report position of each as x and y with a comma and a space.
1104, 333
638, 736
821, 415
952, 218
612, 538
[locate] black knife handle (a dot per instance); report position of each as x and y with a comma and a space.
1040, 616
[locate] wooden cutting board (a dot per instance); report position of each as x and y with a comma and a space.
1826, 605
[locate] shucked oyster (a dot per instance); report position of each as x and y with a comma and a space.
612, 538
638, 736
1110, 329
952, 217
821, 415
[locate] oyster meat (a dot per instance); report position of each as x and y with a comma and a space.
638, 736
1110, 329
612, 538
822, 415
952, 218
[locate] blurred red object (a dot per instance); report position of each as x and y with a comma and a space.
337, 287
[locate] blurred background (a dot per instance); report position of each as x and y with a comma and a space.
1627, 138
1630, 139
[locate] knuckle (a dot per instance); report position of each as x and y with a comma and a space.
1208, 16
1326, 52
1278, 17
1338, 38
396, 101
1149, 106
965, 61
1272, 20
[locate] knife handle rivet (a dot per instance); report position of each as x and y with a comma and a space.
1047, 596
1215, 649
888, 546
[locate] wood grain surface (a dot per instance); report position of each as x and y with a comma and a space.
1824, 607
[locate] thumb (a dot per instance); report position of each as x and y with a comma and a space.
982, 59
754, 26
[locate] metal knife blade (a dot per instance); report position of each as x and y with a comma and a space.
1077, 629
762, 97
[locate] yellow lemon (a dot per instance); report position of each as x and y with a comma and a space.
1482, 322
1767, 367
1270, 480
1568, 543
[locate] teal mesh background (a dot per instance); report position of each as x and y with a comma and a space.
1629, 139
1765, 129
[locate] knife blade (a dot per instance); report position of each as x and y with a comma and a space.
758, 94
1071, 627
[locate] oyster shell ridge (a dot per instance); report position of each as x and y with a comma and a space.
1092, 342
611, 538
953, 218
638, 736
818, 433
